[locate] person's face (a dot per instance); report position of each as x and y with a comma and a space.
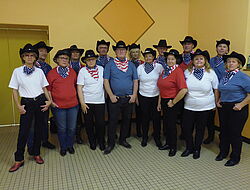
135, 53
29, 58
91, 62
188, 47
149, 58
161, 50
75, 55
121, 52
232, 64
199, 61
222, 49
102, 49
63, 60
171, 61
43, 53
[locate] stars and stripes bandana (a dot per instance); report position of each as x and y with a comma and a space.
76, 66
63, 71
121, 65
93, 72
148, 67
168, 70
198, 73
186, 58
218, 61
28, 70
229, 75
137, 62
103, 59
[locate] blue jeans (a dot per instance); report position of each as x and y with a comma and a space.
66, 121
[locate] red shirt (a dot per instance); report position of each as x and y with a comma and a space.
171, 85
184, 66
63, 90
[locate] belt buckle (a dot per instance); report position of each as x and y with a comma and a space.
35, 99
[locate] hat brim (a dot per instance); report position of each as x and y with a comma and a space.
154, 54
83, 59
207, 56
193, 42
156, 46
79, 50
241, 58
115, 48
48, 48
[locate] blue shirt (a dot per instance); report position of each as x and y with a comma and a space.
236, 89
44, 66
121, 83
103, 60
218, 68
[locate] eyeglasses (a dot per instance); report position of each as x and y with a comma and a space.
64, 58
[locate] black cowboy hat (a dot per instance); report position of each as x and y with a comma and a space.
162, 43
61, 52
75, 48
235, 55
28, 48
223, 41
134, 46
89, 54
200, 52
42, 44
102, 42
149, 51
190, 40
176, 54
120, 44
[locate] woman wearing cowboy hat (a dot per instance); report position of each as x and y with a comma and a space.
62, 87
29, 83
202, 94
148, 74
234, 91
91, 96
173, 88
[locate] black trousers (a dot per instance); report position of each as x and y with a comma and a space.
210, 124
194, 120
149, 109
79, 124
33, 110
95, 123
123, 107
170, 116
232, 124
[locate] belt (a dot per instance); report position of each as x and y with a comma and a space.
36, 98
127, 96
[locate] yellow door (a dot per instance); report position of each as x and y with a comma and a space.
10, 43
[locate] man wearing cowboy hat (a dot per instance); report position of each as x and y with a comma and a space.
43, 50
102, 47
188, 45
161, 48
121, 84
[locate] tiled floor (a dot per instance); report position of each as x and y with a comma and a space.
138, 168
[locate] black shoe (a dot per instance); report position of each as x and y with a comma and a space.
231, 163
172, 152
158, 143
63, 152
102, 146
48, 145
139, 134
79, 140
164, 147
196, 154
71, 150
208, 140
186, 153
220, 157
92, 146
144, 143
108, 149
125, 144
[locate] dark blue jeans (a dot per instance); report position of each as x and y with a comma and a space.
66, 121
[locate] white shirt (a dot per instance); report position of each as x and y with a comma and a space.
93, 89
148, 82
200, 95
28, 86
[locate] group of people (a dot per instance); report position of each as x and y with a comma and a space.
184, 87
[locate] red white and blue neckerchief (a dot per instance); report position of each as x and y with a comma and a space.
121, 65
44, 66
93, 72
28, 70
76, 66
137, 62
218, 61
229, 75
198, 72
103, 60
63, 71
148, 67
168, 70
